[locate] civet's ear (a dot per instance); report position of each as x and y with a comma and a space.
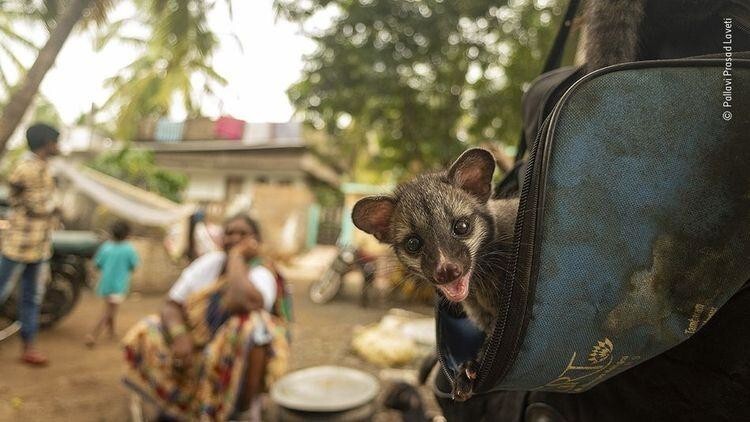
472, 172
373, 215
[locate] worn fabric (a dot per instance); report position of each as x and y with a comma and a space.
116, 261
640, 232
705, 378
32, 291
115, 299
204, 270
207, 238
644, 230
209, 388
30, 220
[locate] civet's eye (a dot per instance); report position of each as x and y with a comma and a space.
461, 227
413, 244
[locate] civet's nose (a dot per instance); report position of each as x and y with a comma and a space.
447, 272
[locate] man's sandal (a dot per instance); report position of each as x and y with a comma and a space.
34, 358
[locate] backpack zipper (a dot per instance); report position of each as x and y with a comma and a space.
500, 324
498, 328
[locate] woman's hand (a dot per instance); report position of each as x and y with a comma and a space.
182, 348
174, 324
241, 294
247, 248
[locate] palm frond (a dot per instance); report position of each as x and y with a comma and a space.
102, 39
10, 34
99, 10
210, 73
20, 67
179, 48
237, 40
7, 86
21, 15
230, 9
13, 35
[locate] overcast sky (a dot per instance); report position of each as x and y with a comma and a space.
258, 75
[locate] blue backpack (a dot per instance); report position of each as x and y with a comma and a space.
633, 228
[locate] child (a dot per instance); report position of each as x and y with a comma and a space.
116, 259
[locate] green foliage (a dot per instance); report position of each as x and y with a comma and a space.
139, 168
177, 51
45, 112
10, 159
326, 195
47, 12
13, 43
415, 82
40, 14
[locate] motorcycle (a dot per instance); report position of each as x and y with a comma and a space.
66, 277
348, 259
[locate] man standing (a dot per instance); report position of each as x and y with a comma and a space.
26, 244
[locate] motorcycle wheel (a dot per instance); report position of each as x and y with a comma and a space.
60, 297
8, 328
325, 289
61, 294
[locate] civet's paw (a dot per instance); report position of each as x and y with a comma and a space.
463, 384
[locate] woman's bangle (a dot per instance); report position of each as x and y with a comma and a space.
177, 330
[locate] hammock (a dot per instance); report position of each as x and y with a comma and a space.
123, 199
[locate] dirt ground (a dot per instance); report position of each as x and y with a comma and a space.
83, 385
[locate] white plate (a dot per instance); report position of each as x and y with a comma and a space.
325, 389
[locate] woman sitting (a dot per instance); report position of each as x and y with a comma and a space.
216, 342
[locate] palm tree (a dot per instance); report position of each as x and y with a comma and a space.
16, 17
60, 26
21, 97
12, 43
179, 49
176, 55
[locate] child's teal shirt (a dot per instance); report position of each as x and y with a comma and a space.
116, 261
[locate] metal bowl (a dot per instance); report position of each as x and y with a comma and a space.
325, 389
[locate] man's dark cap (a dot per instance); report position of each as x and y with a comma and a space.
39, 134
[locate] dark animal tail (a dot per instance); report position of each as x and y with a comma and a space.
425, 368
612, 31
406, 399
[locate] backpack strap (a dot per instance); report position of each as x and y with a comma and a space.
554, 58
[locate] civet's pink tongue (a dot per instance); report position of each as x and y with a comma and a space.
457, 290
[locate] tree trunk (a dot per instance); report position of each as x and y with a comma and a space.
22, 97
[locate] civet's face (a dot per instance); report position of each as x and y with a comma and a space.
436, 223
